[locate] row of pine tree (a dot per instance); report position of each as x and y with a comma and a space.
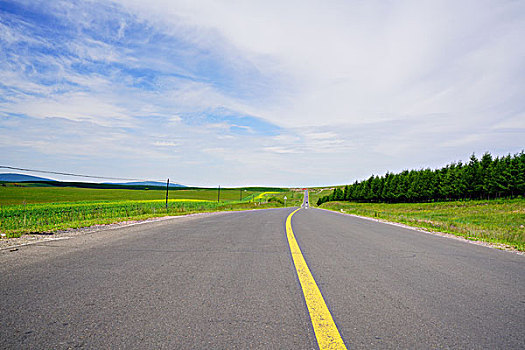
484, 178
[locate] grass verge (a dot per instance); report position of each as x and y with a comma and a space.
495, 221
16, 220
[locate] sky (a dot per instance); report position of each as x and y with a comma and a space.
253, 93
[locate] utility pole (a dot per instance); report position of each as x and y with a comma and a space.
167, 190
240, 194
219, 194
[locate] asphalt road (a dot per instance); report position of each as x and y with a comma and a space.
228, 281
306, 200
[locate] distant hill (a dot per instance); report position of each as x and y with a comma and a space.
10, 177
148, 183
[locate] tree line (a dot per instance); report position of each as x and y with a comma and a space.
483, 178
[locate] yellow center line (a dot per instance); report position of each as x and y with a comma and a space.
326, 332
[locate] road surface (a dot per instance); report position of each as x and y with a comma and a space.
228, 281
306, 200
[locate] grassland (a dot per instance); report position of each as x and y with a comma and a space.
316, 193
496, 221
48, 209
26, 195
293, 198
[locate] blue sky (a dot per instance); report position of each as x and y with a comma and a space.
275, 93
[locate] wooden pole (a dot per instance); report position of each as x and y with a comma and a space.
219, 195
167, 190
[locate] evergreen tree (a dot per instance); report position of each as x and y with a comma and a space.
487, 177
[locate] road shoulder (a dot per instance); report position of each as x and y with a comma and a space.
499, 246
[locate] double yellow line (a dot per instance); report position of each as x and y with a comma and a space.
326, 332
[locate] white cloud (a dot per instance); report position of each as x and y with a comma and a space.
282, 150
74, 106
321, 135
165, 144
215, 150
374, 61
514, 122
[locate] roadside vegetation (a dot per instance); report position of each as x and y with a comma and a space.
480, 200
294, 198
496, 221
484, 178
28, 209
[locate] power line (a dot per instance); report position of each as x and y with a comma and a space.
70, 174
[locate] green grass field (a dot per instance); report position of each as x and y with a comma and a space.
294, 198
315, 193
47, 209
496, 221
27, 195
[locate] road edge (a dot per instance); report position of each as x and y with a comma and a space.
29, 239
498, 246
